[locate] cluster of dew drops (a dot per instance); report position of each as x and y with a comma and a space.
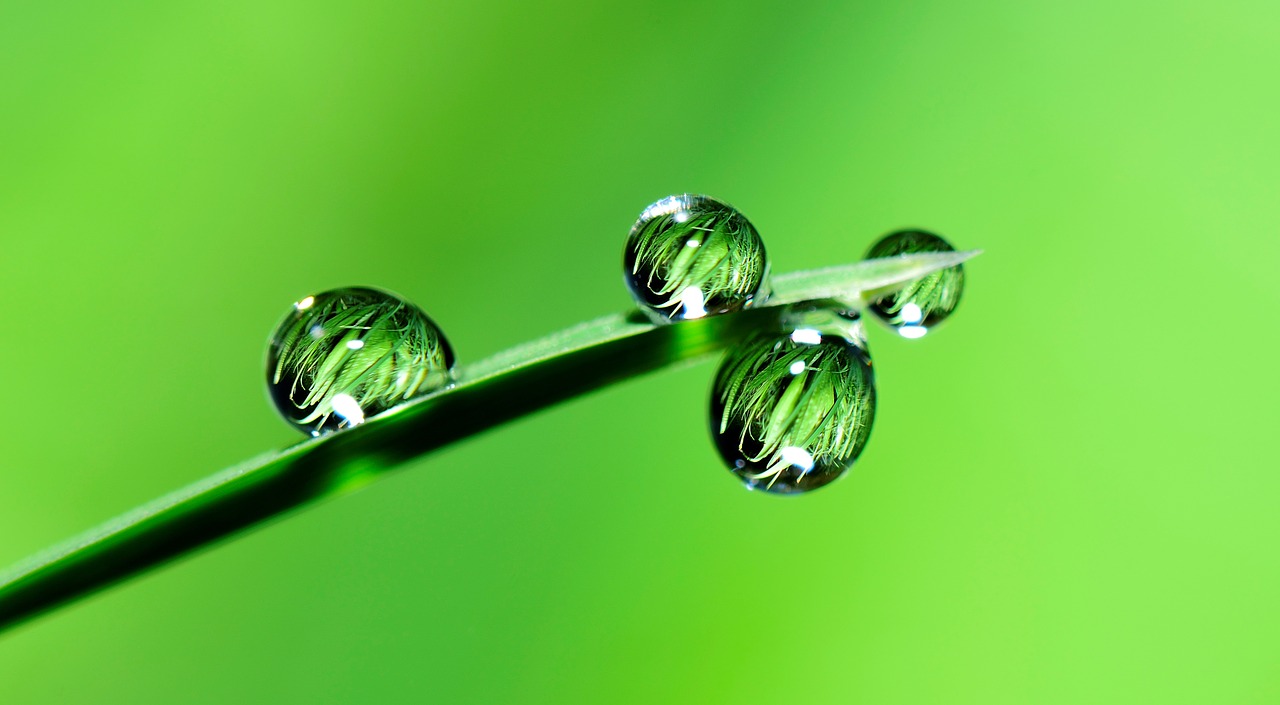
791, 407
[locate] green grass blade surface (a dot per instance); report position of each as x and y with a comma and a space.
488, 393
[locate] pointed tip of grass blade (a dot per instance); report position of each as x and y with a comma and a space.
854, 281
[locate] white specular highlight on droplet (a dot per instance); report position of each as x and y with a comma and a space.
347, 407
692, 300
806, 336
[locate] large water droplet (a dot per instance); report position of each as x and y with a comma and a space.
924, 303
345, 355
790, 412
690, 256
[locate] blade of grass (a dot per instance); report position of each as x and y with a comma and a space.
488, 393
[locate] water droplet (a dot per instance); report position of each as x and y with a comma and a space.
925, 302
790, 412
345, 355
690, 256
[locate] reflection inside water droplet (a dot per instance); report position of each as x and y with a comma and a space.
791, 412
342, 356
925, 302
690, 256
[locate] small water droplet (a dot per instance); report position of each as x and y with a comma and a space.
791, 413
690, 256
344, 355
924, 303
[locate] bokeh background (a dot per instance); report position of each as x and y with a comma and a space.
1070, 495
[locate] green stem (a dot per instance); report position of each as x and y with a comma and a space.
489, 393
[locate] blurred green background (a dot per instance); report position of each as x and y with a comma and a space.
1070, 495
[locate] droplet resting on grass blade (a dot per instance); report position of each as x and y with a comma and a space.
343, 356
916, 308
690, 256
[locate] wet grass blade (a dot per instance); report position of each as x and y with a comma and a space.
489, 393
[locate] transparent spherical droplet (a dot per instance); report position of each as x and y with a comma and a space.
690, 256
340, 357
925, 302
791, 412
